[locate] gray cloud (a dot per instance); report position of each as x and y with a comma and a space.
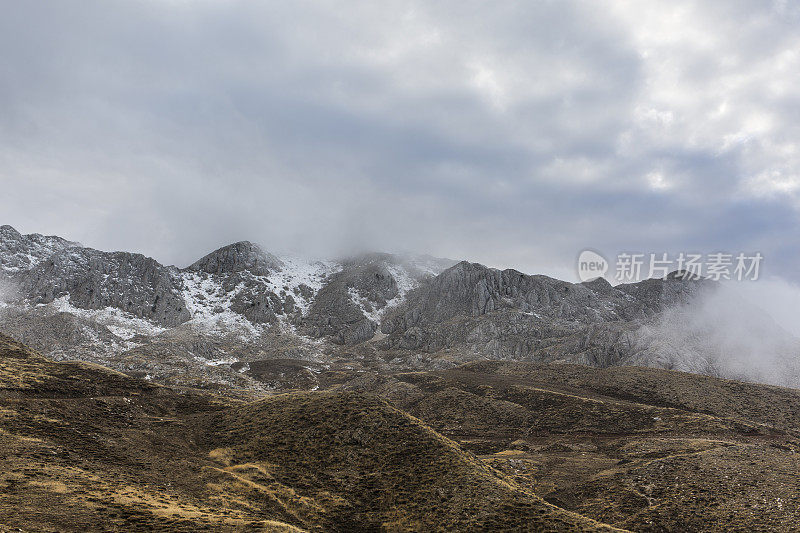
515, 134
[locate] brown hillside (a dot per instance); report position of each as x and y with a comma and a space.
86, 448
639, 448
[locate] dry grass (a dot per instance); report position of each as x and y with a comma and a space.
486, 447
642, 449
85, 449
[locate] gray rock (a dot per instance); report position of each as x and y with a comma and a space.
510, 315
19, 253
365, 284
334, 314
256, 304
94, 280
238, 257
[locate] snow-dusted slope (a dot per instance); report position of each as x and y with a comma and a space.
218, 302
19, 252
239, 290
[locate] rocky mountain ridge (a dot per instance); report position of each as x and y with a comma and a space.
239, 313
468, 293
240, 279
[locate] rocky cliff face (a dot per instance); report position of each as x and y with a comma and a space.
507, 314
92, 279
347, 307
19, 253
470, 289
243, 277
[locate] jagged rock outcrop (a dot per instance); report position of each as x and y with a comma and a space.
92, 279
257, 303
44, 268
371, 279
238, 257
19, 253
510, 315
242, 269
339, 307
348, 307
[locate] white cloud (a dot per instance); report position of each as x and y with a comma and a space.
504, 132
657, 181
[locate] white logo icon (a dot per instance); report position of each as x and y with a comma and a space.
591, 265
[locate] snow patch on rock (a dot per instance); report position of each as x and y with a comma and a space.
123, 325
209, 305
298, 272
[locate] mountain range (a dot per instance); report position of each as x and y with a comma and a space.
245, 318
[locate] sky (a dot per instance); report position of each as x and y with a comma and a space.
515, 134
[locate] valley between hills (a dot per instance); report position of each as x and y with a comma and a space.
486, 446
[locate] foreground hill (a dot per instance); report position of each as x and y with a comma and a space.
87, 448
488, 446
639, 448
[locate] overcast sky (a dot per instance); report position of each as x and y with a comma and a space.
510, 133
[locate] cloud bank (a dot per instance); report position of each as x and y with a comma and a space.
515, 134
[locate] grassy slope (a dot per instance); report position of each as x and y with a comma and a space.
642, 449
86, 448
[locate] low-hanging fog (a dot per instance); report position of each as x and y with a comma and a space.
740, 330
